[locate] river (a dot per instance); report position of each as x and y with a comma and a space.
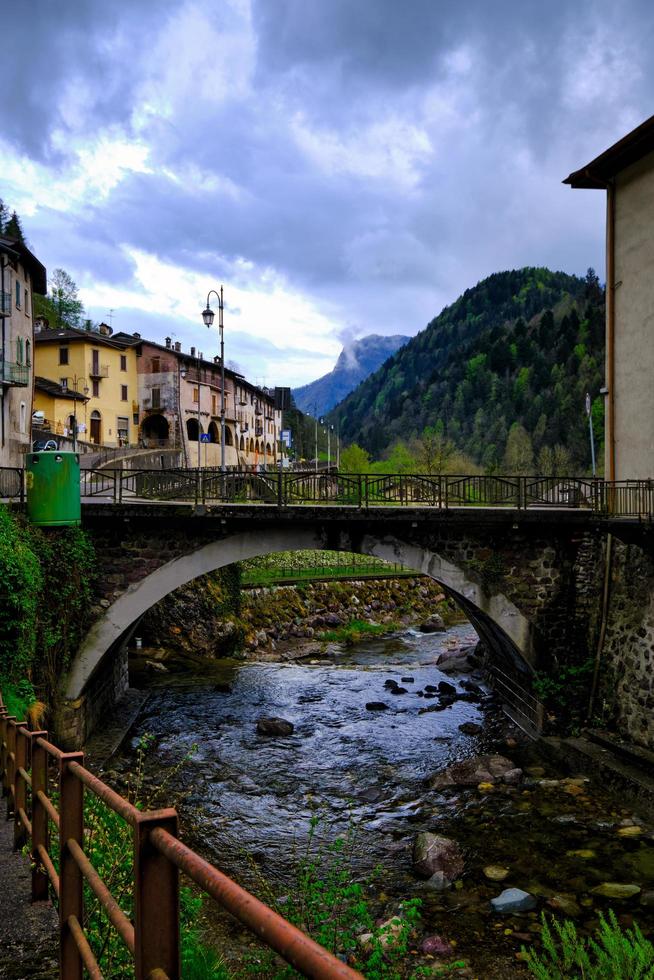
247, 799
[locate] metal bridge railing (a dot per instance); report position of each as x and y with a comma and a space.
29, 764
287, 488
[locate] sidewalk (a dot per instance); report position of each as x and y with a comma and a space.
28, 933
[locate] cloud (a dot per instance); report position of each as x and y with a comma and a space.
343, 168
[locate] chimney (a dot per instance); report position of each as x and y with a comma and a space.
200, 355
178, 346
168, 343
192, 351
136, 335
216, 359
105, 330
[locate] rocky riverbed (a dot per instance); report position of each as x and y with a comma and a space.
453, 807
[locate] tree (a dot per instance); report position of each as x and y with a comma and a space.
62, 308
519, 453
354, 459
4, 216
14, 230
433, 450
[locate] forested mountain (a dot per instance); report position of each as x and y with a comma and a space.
355, 362
500, 376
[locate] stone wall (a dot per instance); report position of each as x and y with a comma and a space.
76, 719
627, 677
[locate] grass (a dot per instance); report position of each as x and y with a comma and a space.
357, 630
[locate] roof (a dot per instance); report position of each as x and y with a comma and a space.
29, 261
57, 390
630, 149
73, 333
191, 360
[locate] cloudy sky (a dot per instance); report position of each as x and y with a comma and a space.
344, 167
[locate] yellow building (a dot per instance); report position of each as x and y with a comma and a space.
100, 369
57, 408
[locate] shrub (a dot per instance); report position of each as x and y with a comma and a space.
610, 954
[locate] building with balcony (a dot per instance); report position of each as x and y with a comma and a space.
100, 368
21, 275
180, 400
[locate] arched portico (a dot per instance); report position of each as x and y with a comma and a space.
498, 616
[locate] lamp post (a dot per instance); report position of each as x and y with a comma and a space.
208, 316
329, 442
76, 382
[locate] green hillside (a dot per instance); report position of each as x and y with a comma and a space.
500, 376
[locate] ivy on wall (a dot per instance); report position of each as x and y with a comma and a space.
46, 583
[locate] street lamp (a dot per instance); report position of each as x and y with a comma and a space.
207, 316
329, 442
76, 382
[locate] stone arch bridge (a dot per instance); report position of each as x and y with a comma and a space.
529, 581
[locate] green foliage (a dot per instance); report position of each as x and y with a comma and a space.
564, 689
354, 632
18, 698
610, 954
22, 584
47, 580
521, 348
329, 904
354, 459
491, 571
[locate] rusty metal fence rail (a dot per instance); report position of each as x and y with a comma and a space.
29, 765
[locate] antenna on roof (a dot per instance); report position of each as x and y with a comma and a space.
111, 318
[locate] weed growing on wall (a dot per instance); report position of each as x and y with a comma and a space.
21, 584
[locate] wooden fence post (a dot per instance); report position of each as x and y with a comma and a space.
11, 763
156, 900
20, 788
3, 749
71, 892
40, 823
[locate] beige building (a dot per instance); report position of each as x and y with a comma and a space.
103, 370
21, 274
180, 400
626, 172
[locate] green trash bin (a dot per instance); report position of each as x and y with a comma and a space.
53, 488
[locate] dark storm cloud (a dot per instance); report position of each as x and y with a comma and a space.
70, 56
380, 157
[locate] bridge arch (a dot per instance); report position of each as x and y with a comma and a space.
498, 621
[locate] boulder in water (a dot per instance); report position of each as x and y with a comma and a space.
376, 706
513, 900
435, 624
432, 853
471, 772
274, 726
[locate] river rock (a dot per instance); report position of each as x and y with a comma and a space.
452, 662
613, 889
446, 688
565, 904
470, 728
471, 772
376, 706
436, 946
431, 707
398, 690
433, 853
407, 680
390, 682
513, 900
495, 872
435, 624
332, 619
274, 726
222, 687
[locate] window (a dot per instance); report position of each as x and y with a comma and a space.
196, 393
156, 398
19, 350
64, 383
23, 417
63, 355
122, 430
27, 300
123, 362
213, 405
95, 389
155, 365
18, 298
123, 393
28, 353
